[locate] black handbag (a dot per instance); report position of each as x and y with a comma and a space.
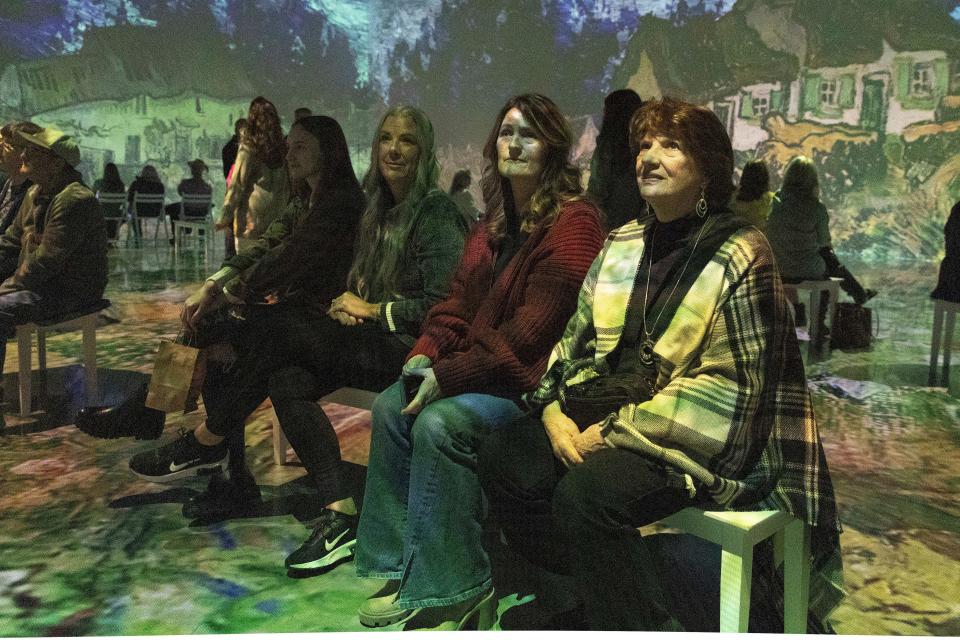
590, 402
852, 327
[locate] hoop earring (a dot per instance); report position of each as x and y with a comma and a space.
702, 205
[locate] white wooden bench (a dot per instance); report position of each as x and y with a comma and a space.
944, 322
348, 396
815, 287
84, 320
737, 532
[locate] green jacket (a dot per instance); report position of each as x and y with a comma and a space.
432, 254
56, 246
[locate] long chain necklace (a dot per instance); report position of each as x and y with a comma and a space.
646, 347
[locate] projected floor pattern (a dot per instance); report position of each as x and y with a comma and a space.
86, 548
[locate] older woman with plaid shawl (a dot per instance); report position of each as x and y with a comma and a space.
677, 382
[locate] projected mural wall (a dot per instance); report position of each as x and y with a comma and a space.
868, 88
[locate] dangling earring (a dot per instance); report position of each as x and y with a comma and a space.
702, 204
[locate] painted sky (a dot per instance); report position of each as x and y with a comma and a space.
39, 28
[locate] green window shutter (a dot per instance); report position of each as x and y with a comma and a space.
902, 69
746, 105
811, 93
941, 77
776, 100
847, 90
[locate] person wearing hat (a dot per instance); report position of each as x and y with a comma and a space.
16, 185
53, 257
195, 185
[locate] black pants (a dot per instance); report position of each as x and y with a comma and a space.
835, 269
583, 521
296, 357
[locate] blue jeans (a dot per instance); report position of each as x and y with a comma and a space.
422, 510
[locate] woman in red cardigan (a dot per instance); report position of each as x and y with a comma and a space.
481, 348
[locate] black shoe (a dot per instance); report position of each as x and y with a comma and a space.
868, 295
224, 498
332, 540
129, 418
179, 459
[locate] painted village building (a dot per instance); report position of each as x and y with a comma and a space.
126, 104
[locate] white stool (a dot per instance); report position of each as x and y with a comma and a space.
942, 335
814, 287
85, 321
356, 398
195, 223
737, 532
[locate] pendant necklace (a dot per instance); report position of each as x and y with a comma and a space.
646, 347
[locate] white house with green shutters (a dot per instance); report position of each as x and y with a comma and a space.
743, 112
898, 89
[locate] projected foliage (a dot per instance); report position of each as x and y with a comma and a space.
869, 88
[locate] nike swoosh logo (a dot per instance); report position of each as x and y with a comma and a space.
329, 545
177, 467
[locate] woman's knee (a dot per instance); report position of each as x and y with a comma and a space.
432, 425
386, 408
577, 500
509, 459
293, 383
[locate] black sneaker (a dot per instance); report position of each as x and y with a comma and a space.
224, 498
181, 458
332, 540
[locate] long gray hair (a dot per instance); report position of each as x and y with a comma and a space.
385, 225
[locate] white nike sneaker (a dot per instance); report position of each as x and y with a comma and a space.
332, 540
181, 458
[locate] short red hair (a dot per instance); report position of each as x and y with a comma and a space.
703, 137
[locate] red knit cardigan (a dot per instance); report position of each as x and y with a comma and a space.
495, 337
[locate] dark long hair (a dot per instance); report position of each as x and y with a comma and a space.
112, 183
559, 182
613, 141
263, 133
754, 181
461, 180
385, 225
336, 169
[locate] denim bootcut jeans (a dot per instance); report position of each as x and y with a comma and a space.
422, 511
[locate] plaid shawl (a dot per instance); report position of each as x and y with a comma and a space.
732, 408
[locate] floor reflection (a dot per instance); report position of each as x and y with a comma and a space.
87, 548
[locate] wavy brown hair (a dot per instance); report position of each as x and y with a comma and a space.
703, 136
263, 133
559, 182
385, 225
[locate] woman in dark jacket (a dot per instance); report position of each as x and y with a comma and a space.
110, 183
948, 284
148, 182
282, 281
613, 184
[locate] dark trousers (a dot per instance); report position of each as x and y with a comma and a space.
583, 521
363, 356
20, 307
835, 269
297, 356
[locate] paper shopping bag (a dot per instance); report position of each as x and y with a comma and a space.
178, 373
